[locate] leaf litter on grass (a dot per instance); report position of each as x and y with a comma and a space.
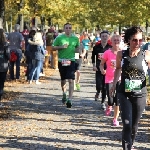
11, 93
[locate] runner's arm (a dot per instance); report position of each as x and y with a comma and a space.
147, 57
117, 72
101, 67
54, 48
93, 57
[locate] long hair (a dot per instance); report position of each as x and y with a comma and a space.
2, 37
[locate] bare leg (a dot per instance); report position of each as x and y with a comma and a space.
71, 88
63, 85
116, 112
78, 76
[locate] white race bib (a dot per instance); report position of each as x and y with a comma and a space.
100, 56
65, 62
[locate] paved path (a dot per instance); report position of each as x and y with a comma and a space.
39, 121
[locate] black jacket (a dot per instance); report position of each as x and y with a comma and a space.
98, 49
4, 57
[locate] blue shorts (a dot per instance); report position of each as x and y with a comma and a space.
67, 72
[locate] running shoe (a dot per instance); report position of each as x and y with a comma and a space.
64, 99
115, 122
103, 106
132, 148
69, 104
78, 87
97, 97
1, 105
108, 111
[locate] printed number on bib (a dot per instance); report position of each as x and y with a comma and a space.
113, 64
66, 62
133, 85
100, 56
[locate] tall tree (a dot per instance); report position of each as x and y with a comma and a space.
2, 10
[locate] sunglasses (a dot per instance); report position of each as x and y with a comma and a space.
137, 40
68, 28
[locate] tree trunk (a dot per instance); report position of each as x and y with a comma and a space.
2, 10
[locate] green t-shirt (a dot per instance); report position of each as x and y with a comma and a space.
69, 52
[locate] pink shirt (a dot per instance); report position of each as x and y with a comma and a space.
110, 59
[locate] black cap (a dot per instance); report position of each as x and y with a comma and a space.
105, 31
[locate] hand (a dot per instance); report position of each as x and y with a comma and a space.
112, 91
103, 72
81, 55
95, 68
65, 46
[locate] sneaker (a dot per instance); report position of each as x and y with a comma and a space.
115, 122
132, 148
64, 99
108, 111
30, 82
97, 97
78, 87
1, 105
37, 82
69, 104
42, 75
103, 106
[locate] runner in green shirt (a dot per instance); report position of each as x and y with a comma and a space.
67, 45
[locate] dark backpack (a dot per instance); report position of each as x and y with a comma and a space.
13, 56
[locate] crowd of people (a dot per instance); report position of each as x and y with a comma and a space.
120, 64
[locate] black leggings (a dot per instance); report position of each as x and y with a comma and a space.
131, 111
100, 85
2, 81
112, 100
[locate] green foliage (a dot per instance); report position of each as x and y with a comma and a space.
83, 13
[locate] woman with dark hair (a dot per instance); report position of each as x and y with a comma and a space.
132, 65
28, 54
4, 58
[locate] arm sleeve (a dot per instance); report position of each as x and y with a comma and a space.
7, 52
93, 55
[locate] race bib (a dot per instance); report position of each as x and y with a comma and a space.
100, 56
113, 64
76, 55
133, 85
66, 62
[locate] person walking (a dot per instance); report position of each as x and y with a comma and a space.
98, 51
67, 45
78, 63
109, 58
37, 54
16, 45
132, 65
86, 44
4, 61
28, 54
